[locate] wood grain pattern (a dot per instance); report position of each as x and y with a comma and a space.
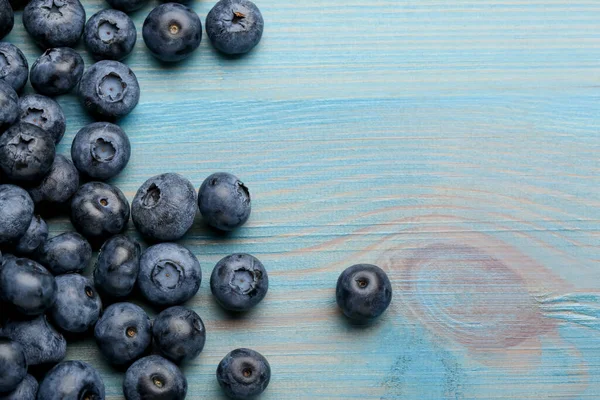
455, 143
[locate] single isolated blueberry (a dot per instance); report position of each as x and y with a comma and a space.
123, 333
109, 90
41, 342
9, 106
234, 26
179, 334
117, 267
169, 274
363, 292
45, 113
78, 306
26, 390
243, 374
110, 35
7, 18
154, 378
127, 5
57, 71
26, 152
27, 286
59, 185
13, 365
66, 253
54, 23
239, 282
99, 211
14, 69
34, 237
224, 201
72, 380
172, 32
100, 150
16, 213
164, 207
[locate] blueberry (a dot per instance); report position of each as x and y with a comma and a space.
224, 201
7, 18
57, 71
100, 150
26, 152
44, 112
58, 185
16, 212
26, 390
72, 380
172, 32
179, 334
110, 35
164, 207
99, 211
154, 378
41, 342
34, 237
239, 282
66, 253
9, 106
169, 274
27, 286
109, 90
77, 306
123, 333
243, 374
54, 23
127, 5
234, 26
117, 267
13, 365
363, 292
14, 69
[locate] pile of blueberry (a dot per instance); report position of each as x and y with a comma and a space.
44, 298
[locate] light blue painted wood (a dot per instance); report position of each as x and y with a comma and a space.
454, 143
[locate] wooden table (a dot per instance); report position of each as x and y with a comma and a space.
454, 143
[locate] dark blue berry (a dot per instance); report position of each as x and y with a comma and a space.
54, 23
123, 333
41, 342
127, 5
224, 201
26, 390
169, 274
117, 267
26, 152
234, 26
44, 112
363, 292
179, 334
9, 106
164, 207
172, 32
36, 235
16, 212
239, 282
99, 211
77, 306
243, 374
109, 90
7, 18
100, 150
14, 69
13, 365
66, 253
57, 187
72, 380
57, 71
110, 35
27, 286
154, 378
